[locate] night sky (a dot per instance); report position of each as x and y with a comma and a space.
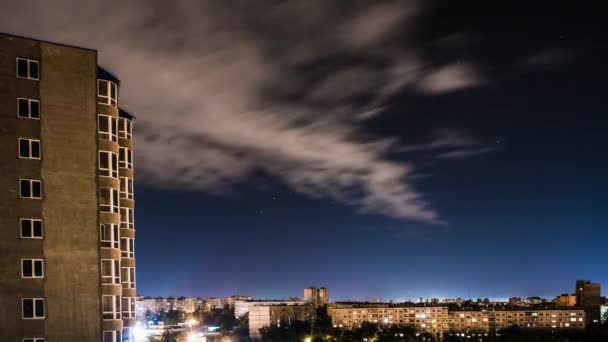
385, 149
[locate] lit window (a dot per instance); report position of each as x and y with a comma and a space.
31, 229
125, 128
109, 235
110, 307
128, 277
127, 246
32, 268
28, 68
108, 164
110, 271
29, 148
126, 218
125, 157
32, 308
126, 188
33, 339
107, 92
30, 188
108, 126
108, 200
112, 336
28, 108
128, 307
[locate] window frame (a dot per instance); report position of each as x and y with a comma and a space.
129, 252
29, 62
116, 335
30, 144
128, 187
31, 224
130, 311
128, 158
29, 108
130, 277
116, 312
112, 134
34, 300
33, 261
33, 339
115, 270
31, 182
107, 99
127, 218
128, 335
125, 128
108, 172
114, 241
111, 207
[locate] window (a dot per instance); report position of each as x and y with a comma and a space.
27, 68
109, 236
110, 307
28, 108
107, 92
33, 339
31, 229
128, 335
32, 268
128, 307
30, 188
33, 308
108, 126
127, 246
110, 271
125, 128
128, 277
108, 200
126, 218
125, 158
126, 188
112, 336
29, 148
108, 164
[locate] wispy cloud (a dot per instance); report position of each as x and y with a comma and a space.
221, 89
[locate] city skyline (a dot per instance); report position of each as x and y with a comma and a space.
389, 149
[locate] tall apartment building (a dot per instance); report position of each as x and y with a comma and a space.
67, 271
316, 296
587, 293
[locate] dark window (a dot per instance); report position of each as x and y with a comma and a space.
32, 268
29, 148
33, 308
33, 69
35, 109
23, 108
22, 68
31, 228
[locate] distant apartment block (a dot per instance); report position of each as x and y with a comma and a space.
67, 271
316, 296
277, 314
438, 319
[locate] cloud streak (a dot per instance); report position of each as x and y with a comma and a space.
222, 89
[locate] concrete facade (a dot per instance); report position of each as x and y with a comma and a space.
68, 211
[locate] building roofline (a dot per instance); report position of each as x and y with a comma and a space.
46, 41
